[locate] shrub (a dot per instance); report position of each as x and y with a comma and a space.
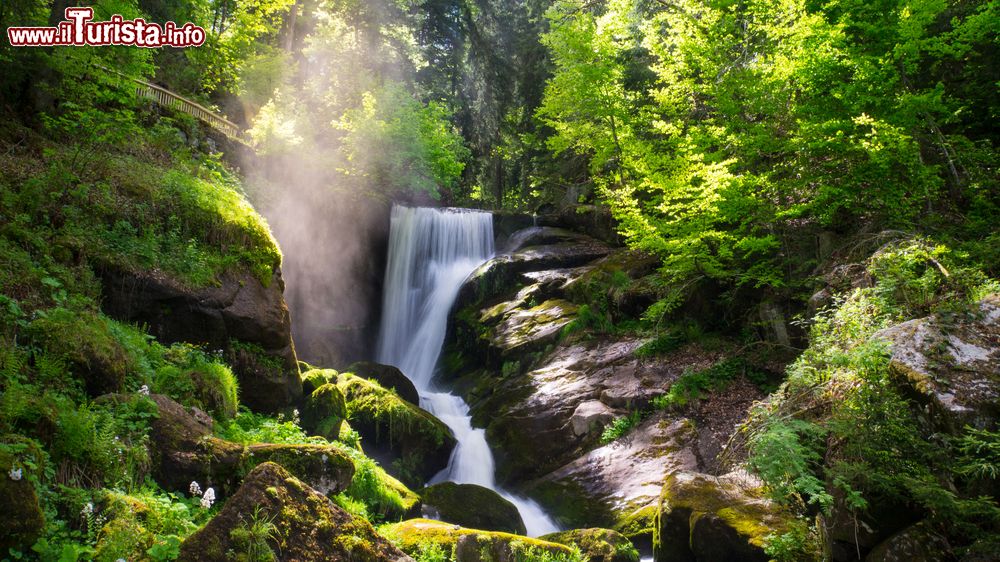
620, 426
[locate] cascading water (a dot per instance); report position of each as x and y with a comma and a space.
431, 253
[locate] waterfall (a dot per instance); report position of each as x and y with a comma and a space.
431, 253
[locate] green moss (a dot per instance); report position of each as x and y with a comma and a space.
383, 417
472, 506
314, 378
324, 411
23, 516
410, 535
598, 545
194, 378
87, 342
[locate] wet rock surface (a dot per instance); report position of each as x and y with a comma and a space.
545, 396
471, 506
396, 430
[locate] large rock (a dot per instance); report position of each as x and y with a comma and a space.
402, 437
597, 545
499, 274
951, 363
24, 520
325, 411
240, 310
470, 545
388, 377
715, 519
304, 525
184, 450
471, 506
918, 543
619, 485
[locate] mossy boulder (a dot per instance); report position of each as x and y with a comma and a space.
324, 411
398, 434
184, 450
304, 525
471, 506
315, 378
709, 519
243, 314
597, 545
470, 545
87, 342
23, 516
194, 381
951, 364
389, 377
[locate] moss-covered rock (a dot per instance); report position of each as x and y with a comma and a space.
471, 506
185, 450
324, 411
314, 378
23, 516
470, 545
302, 525
416, 444
708, 518
597, 545
86, 340
241, 314
389, 377
951, 364
193, 380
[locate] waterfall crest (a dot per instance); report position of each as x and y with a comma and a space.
431, 253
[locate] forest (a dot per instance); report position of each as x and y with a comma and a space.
503, 281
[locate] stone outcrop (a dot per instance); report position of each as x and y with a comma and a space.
951, 364
302, 525
243, 316
184, 450
715, 519
471, 506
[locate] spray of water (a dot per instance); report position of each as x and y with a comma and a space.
431, 253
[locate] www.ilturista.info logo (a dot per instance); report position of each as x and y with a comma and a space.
79, 30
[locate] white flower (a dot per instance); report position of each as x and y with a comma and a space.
195, 489
15, 474
208, 499
144, 390
88, 509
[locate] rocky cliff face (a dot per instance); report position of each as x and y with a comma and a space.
242, 316
545, 395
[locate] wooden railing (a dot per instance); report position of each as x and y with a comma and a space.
170, 100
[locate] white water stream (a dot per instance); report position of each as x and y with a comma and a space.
431, 253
